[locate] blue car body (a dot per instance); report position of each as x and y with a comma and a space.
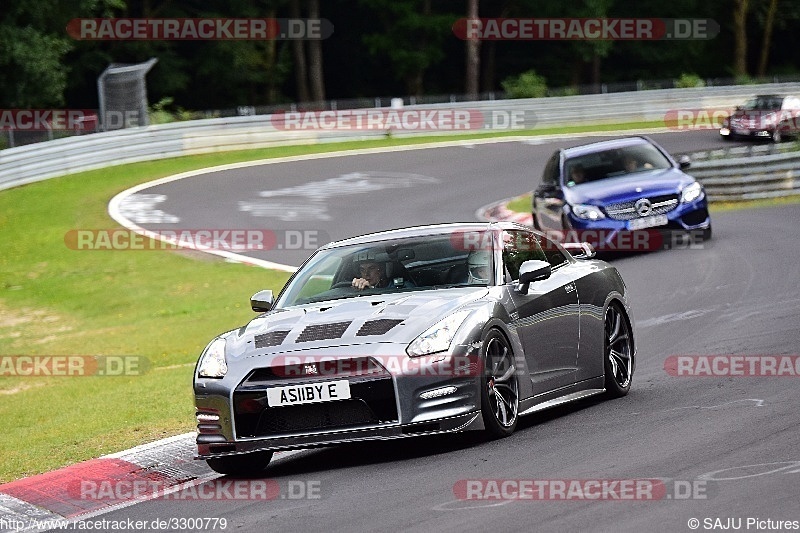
656, 196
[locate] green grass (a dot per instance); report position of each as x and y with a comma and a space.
164, 305
520, 204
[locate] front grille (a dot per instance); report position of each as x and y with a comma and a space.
320, 332
315, 416
310, 367
372, 402
627, 210
377, 327
273, 338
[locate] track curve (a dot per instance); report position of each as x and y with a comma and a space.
738, 295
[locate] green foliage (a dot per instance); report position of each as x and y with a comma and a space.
686, 81
158, 112
410, 36
31, 62
527, 85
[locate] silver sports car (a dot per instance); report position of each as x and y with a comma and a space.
414, 331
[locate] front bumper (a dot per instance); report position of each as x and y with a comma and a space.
757, 133
612, 235
234, 415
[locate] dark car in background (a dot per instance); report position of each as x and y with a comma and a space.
767, 117
609, 189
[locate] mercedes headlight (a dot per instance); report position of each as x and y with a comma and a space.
212, 362
587, 212
692, 192
438, 337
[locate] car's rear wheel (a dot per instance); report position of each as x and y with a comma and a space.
499, 386
241, 465
618, 359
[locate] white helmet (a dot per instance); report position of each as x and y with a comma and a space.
479, 266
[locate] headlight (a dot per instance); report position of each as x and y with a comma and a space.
438, 337
587, 212
692, 192
212, 362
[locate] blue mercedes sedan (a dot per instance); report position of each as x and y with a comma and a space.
620, 194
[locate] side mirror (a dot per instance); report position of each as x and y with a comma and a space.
261, 302
579, 250
533, 270
546, 188
684, 162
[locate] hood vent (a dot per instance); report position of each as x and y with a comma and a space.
273, 338
377, 327
319, 332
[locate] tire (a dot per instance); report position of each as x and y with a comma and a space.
250, 464
499, 386
618, 358
707, 234
777, 136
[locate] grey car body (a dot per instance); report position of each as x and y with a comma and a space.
437, 350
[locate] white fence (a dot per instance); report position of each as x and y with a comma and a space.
35, 162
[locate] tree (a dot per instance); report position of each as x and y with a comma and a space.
473, 56
315, 73
412, 38
33, 45
740, 36
766, 42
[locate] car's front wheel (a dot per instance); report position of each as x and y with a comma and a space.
499, 386
241, 465
618, 357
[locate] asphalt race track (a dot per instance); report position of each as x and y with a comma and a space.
732, 440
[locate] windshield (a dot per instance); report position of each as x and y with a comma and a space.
763, 103
613, 163
439, 261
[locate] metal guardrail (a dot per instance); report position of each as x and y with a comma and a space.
35, 162
749, 178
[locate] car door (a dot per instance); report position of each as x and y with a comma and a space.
548, 198
546, 315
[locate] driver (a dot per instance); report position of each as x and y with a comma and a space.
478, 267
372, 274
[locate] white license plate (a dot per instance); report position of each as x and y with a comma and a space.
741, 131
326, 391
648, 222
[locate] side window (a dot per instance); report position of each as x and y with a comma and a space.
519, 246
553, 254
551, 170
